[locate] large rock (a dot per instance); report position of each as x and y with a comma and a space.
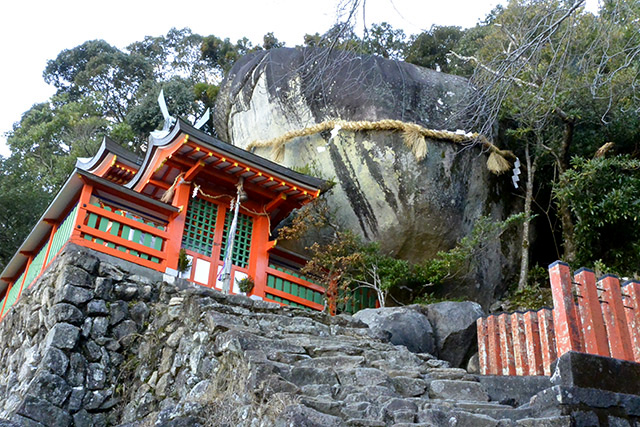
454, 328
414, 208
405, 325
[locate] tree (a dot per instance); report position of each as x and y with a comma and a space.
178, 54
430, 49
604, 196
110, 77
536, 70
49, 137
383, 40
22, 202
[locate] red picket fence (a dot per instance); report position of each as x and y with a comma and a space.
596, 317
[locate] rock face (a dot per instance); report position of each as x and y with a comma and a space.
178, 354
415, 209
404, 325
454, 325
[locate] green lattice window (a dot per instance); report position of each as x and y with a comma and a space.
199, 227
242, 242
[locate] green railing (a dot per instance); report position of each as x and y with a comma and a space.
11, 297
357, 300
36, 266
294, 288
62, 234
117, 228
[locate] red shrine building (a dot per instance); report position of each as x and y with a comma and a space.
178, 197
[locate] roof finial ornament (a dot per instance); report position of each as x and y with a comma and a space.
202, 120
168, 119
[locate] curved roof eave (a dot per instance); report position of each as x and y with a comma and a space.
228, 150
108, 146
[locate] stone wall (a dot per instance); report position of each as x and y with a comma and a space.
101, 342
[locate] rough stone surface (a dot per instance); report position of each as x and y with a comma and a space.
414, 209
202, 358
405, 325
454, 329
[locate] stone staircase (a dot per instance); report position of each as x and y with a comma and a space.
96, 342
328, 371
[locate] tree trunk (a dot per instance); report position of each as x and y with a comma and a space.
563, 162
528, 200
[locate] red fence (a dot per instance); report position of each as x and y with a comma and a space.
597, 317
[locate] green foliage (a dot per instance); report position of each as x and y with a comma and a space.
430, 48
183, 261
245, 284
431, 298
345, 258
455, 262
604, 196
22, 202
534, 296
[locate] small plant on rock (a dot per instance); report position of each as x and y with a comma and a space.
245, 284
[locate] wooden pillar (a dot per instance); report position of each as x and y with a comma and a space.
24, 277
85, 198
532, 333
331, 295
495, 357
565, 318
259, 257
176, 225
506, 345
483, 345
631, 291
615, 318
54, 228
6, 297
519, 344
547, 339
595, 335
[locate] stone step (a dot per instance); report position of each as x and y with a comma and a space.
458, 390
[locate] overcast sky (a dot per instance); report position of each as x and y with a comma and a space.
34, 31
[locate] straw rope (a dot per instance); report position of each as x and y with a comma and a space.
242, 207
413, 136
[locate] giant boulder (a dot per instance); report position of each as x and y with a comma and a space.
454, 329
414, 208
405, 325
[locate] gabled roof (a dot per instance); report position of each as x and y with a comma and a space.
228, 151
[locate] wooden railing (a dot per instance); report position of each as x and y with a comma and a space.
38, 261
288, 287
596, 317
117, 232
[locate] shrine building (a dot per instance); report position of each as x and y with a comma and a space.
182, 195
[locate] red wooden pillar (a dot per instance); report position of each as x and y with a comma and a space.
6, 297
24, 278
506, 345
534, 353
519, 344
483, 345
54, 227
615, 318
332, 296
595, 335
547, 339
565, 318
85, 198
632, 309
495, 358
176, 225
259, 257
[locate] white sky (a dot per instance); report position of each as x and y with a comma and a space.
34, 31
